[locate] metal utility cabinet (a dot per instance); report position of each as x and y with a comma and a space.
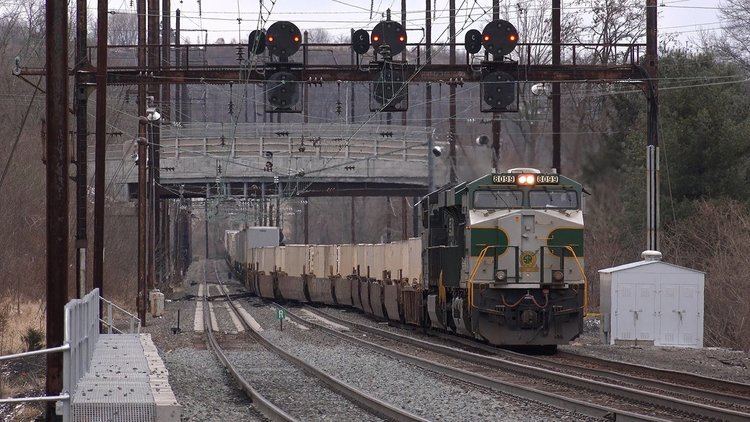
652, 302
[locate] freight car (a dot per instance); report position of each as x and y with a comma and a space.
499, 259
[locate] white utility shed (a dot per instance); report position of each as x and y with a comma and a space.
652, 302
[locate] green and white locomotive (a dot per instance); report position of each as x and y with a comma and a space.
503, 258
500, 259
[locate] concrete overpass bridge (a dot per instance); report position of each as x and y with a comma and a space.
312, 159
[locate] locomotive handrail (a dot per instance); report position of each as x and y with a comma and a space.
541, 260
585, 281
480, 258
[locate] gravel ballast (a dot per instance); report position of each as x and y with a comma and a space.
730, 365
714, 362
418, 391
290, 389
204, 389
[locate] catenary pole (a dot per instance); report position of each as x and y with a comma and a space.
80, 98
452, 93
56, 152
428, 97
556, 112
496, 126
652, 148
100, 154
142, 167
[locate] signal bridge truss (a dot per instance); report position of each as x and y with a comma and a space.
325, 159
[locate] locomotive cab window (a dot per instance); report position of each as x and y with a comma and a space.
554, 199
498, 199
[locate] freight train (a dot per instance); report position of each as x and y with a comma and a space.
499, 259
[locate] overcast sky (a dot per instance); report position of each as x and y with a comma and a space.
219, 17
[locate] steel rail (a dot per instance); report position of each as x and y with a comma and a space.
716, 394
698, 409
556, 400
264, 405
360, 398
693, 378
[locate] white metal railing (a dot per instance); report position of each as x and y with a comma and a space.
81, 333
134, 321
80, 338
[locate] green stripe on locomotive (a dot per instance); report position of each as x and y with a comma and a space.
483, 237
567, 237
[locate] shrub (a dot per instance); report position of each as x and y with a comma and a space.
33, 339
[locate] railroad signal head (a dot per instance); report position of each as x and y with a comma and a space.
283, 39
390, 88
389, 33
499, 37
282, 91
256, 42
473, 41
498, 91
360, 41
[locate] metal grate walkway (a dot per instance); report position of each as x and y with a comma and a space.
126, 382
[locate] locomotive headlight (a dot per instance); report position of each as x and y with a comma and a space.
501, 275
558, 276
527, 179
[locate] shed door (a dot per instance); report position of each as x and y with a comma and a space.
670, 319
644, 316
625, 312
688, 322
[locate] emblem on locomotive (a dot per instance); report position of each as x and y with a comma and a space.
528, 262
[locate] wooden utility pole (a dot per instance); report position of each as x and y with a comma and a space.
56, 149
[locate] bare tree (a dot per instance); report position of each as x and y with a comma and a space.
123, 29
735, 43
612, 22
318, 35
534, 23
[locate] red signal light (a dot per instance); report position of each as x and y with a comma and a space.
270, 38
486, 37
296, 38
512, 37
402, 38
375, 38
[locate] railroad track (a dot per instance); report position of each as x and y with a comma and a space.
615, 401
261, 403
730, 389
360, 398
681, 384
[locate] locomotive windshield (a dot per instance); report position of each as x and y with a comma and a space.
493, 199
553, 198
